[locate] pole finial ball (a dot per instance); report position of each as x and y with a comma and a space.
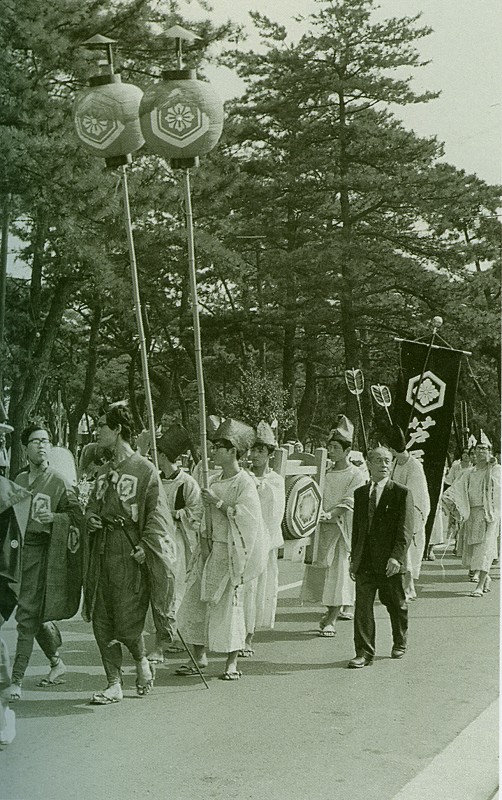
437, 321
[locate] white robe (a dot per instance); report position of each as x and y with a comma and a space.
411, 474
260, 595
187, 521
327, 581
212, 611
474, 499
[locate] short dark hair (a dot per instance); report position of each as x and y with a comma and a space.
342, 442
227, 444
120, 415
270, 447
31, 428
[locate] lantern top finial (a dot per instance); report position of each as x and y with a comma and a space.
177, 32
98, 41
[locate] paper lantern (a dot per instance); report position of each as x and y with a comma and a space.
106, 117
181, 117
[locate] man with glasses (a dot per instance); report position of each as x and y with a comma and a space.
51, 563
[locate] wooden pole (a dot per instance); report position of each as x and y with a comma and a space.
4, 252
361, 420
139, 317
196, 327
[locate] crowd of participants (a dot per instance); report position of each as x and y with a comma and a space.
199, 566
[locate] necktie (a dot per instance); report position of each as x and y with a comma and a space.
371, 504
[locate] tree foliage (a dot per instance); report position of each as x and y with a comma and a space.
324, 228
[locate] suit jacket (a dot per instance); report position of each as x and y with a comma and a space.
391, 529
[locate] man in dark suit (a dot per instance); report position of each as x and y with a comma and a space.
382, 530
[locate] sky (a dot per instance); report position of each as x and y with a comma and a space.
466, 66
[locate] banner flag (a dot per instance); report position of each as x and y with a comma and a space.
427, 425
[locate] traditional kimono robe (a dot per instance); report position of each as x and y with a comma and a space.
57, 548
327, 581
411, 474
185, 503
260, 595
212, 612
475, 498
455, 471
51, 575
272, 494
132, 505
15, 504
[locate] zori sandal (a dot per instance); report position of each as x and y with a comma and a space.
187, 670
327, 632
231, 676
145, 676
112, 694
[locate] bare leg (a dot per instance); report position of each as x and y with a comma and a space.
247, 650
409, 586
7, 723
482, 576
56, 672
231, 663
198, 652
330, 618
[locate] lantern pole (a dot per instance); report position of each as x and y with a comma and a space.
196, 327
179, 34
99, 42
139, 315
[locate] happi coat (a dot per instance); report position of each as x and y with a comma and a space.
61, 542
131, 494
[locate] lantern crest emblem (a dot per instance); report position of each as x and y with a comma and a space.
96, 121
179, 120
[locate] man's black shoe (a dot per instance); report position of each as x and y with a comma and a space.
398, 652
360, 661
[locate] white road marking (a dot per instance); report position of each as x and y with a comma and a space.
290, 586
466, 769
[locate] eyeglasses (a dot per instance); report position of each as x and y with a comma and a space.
36, 440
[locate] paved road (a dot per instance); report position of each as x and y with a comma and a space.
297, 725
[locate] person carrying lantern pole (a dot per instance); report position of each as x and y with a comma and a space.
409, 472
260, 595
328, 581
233, 551
131, 553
